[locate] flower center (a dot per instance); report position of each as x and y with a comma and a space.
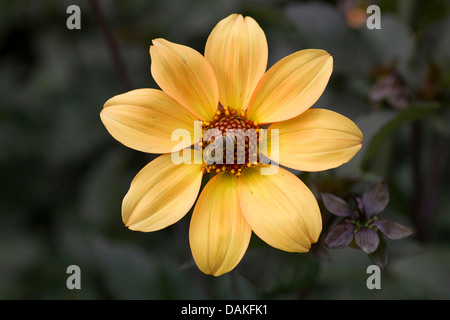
230, 142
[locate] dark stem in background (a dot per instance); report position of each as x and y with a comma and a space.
112, 46
417, 176
431, 192
234, 288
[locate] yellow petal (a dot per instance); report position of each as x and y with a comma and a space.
218, 234
291, 86
237, 50
161, 194
317, 140
280, 209
145, 119
186, 76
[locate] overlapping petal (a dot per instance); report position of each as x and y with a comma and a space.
219, 235
144, 119
237, 50
280, 209
185, 75
161, 194
291, 86
317, 140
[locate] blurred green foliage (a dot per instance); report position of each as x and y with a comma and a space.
63, 177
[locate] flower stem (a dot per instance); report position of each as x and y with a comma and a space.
427, 204
112, 46
416, 137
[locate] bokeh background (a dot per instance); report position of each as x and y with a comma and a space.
63, 177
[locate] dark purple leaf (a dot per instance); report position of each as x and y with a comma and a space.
391, 89
367, 239
381, 255
375, 199
392, 230
337, 205
340, 236
359, 205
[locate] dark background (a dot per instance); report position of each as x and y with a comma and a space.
63, 177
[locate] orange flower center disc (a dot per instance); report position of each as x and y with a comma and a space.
230, 142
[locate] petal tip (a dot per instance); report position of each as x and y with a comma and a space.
156, 44
234, 16
157, 41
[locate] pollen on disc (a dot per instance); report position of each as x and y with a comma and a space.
239, 138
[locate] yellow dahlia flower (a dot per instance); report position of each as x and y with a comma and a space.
227, 88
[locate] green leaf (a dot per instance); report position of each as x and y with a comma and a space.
380, 256
335, 35
392, 43
415, 111
127, 271
273, 271
370, 124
